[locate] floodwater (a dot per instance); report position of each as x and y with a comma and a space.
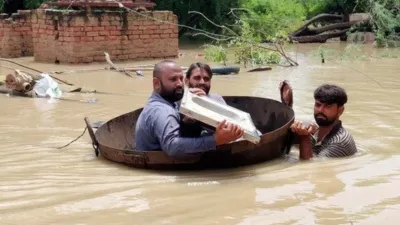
43, 185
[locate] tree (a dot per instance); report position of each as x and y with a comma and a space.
12, 6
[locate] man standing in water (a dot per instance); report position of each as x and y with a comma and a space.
331, 139
158, 126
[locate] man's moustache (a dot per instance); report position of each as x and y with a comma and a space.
320, 114
204, 87
179, 90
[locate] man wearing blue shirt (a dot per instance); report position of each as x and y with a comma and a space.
158, 126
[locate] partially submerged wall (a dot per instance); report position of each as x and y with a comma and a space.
16, 35
79, 37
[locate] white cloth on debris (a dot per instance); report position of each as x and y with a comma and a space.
47, 87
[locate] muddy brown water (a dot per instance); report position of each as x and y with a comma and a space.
43, 185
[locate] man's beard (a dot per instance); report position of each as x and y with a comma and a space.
323, 121
203, 87
171, 95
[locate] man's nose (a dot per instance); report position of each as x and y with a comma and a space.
201, 81
179, 83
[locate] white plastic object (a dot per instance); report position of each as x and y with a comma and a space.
211, 112
47, 87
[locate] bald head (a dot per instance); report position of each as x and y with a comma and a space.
168, 80
161, 67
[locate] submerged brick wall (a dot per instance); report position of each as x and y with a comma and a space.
79, 37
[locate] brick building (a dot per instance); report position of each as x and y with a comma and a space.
79, 36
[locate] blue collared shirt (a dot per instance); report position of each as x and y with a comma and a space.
158, 126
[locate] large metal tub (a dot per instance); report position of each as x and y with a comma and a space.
115, 139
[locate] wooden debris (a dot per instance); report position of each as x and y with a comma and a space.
320, 34
38, 71
265, 68
113, 67
19, 81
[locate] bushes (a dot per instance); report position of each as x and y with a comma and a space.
216, 11
386, 22
271, 18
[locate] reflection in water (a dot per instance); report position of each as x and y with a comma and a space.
44, 185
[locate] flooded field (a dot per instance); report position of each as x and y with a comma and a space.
44, 185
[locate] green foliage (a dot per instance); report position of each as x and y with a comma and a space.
216, 53
385, 22
389, 54
343, 7
273, 18
314, 7
33, 4
28, 4
263, 57
216, 11
246, 50
243, 54
248, 54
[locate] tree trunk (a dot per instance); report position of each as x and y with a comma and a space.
320, 34
335, 26
321, 38
320, 17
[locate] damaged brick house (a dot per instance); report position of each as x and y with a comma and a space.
83, 35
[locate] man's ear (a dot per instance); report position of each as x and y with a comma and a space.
156, 84
340, 110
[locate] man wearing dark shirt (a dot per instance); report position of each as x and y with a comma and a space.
330, 139
158, 126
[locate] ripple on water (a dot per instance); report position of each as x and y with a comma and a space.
126, 199
44, 185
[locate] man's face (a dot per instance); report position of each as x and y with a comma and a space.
171, 84
199, 79
325, 114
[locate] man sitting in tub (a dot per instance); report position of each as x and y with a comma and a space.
158, 126
198, 75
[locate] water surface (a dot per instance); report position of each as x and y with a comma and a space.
44, 185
